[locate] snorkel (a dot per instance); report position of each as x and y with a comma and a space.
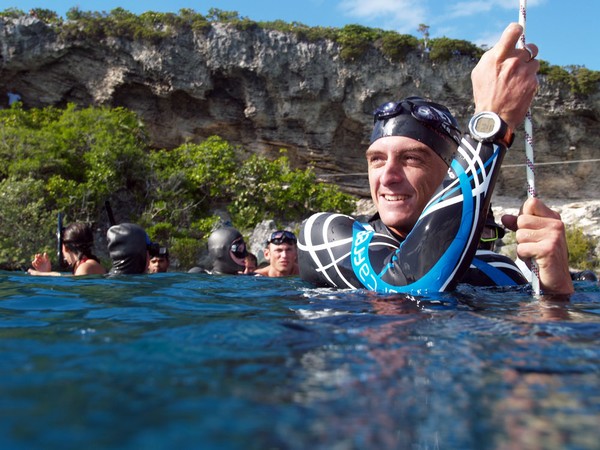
59, 241
109, 213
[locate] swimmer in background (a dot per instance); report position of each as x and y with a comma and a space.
128, 249
77, 244
251, 263
281, 251
159, 259
227, 252
488, 267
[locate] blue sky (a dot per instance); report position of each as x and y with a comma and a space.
566, 31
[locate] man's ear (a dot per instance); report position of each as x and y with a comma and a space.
267, 253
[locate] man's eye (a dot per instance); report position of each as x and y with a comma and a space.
413, 158
375, 160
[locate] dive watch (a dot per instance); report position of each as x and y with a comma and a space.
489, 127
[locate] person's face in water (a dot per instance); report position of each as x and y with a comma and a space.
403, 176
282, 257
250, 265
69, 257
158, 264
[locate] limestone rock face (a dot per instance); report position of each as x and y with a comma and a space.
266, 90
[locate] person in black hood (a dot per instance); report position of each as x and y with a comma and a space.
227, 250
128, 249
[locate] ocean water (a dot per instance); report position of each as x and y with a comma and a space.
188, 361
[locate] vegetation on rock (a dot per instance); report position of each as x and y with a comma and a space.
354, 40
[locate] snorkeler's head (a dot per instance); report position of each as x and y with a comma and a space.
127, 246
227, 251
78, 238
419, 119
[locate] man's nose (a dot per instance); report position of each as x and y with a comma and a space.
392, 171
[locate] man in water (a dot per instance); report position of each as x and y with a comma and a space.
432, 188
128, 249
251, 263
227, 250
281, 252
159, 259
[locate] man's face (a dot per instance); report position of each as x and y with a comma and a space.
403, 175
282, 257
250, 265
158, 264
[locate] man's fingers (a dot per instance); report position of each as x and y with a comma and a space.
508, 41
535, 207
509, 221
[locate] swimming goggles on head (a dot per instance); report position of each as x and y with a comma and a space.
423, 111
238, 248
282, 236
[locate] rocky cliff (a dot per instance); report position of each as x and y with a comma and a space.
266, 90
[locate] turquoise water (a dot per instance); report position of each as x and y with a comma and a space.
186, 361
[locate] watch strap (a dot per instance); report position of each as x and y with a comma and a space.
508, 137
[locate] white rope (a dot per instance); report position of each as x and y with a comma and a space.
531, 192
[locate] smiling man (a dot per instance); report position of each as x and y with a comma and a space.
432, 187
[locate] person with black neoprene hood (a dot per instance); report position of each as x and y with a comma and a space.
227, 251
128, 249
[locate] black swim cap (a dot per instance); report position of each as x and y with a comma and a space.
127, 246
419, 119
220, 248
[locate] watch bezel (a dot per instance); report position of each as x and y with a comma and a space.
483, 136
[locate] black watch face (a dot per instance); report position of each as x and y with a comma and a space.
485, 125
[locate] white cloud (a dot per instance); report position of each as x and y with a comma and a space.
488, 40
474, 7
445, 18
400, 15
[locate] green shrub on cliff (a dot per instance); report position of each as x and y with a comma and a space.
582, 249
354, 40
263, 188
82, 155
398, 46
587, 80
27, 225
443, 49
193, 179
189, 182
578, 79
